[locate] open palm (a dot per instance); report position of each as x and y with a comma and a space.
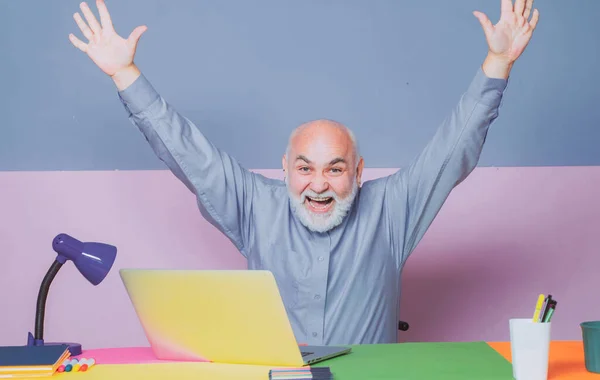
510, 36
109, 51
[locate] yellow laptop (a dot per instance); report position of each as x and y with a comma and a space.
222, 316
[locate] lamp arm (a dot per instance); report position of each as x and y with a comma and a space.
41, 300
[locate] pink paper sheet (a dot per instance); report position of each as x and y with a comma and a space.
124, 355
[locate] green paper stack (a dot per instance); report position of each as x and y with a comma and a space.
421, 361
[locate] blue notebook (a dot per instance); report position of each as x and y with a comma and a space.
38, 360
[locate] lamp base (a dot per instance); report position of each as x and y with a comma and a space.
74, 348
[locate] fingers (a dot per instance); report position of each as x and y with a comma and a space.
83, 26
91, 19
104, 15
528, 6
135, 35
77, 43
534, 19
486, 24
519, 6
506, 6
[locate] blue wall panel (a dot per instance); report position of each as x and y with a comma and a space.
248, 72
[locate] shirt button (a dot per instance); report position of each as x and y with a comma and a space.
314, 334
317, 297
321, 258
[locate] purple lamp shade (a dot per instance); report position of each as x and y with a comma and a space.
93, 260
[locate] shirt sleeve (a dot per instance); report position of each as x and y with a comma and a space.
223, 188
415, 194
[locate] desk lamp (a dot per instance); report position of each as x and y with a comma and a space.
93, 260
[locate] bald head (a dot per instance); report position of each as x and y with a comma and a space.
323, 170
324, 131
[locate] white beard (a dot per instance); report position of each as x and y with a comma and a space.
322, 222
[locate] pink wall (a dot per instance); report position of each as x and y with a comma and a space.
505, 235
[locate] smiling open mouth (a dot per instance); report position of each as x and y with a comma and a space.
319, 203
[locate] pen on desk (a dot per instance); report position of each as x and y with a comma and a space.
544, 309
551, 309
538, 307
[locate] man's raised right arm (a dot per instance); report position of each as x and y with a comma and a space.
223, 188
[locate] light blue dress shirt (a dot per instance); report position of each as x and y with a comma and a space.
342, 286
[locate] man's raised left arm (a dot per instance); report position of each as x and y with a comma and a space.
454, 150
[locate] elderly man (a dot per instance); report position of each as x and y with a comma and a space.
335, 245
